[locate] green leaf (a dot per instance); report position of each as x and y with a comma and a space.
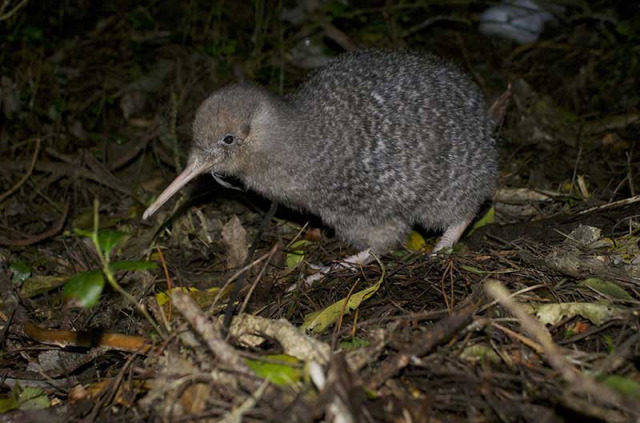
33, 33
607, 288
286, 372
318, 321
624, 29
84, 220
415, 242
132, 265
480, 352
202, 298
27, 399
20, 271
108, 239
83, 233
489, 217
33, 399
608, 340
39, 284
296, 253
353, 344
477, 271
9, 401
85, 288
472, 269
626, 386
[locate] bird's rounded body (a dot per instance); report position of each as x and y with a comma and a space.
373, 143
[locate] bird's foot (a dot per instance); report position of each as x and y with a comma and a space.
353, 262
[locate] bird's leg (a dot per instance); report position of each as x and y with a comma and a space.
361, 259
378, 236
451, 235
448, 239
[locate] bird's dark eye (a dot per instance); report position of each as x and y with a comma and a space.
228, 139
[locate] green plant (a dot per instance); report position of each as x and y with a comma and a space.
85, 288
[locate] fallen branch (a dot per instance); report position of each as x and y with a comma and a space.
293, 341
210, 330
442, 331
579, 382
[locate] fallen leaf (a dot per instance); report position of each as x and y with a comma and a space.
234, 238
318, 321
480, 352
624, 385
84, 289
577, 328
37, 285
280, 369
296, 253
202, 298
610, 289
596, 313
489, 217
415, 242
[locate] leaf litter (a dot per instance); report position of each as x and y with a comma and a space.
87, 118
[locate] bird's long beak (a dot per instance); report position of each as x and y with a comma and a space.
192, 170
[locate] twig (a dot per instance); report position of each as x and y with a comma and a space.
74, 171
514, 294
108, 272
579, 381
10, 13
625, 202
272, 252
7, 324
293, 341
531, 344
236, 414
211, 333
424, 24
442, 331
169, 284
338, 36
236, 275
575, 167
442, 287
54, 230
228, 313
24, 178
172, 131
334, 340
630, 175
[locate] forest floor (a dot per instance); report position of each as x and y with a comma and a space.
534, 317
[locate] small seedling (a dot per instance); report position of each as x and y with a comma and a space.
84, 289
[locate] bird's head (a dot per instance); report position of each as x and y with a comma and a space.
230, 128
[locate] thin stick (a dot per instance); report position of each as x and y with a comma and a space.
531, 344
272, 252
169, 284
210, 330
579, 381
629, 174
242, 276
11, 12
334, 341
24, 178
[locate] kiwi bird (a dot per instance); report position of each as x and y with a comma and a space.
374, 143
